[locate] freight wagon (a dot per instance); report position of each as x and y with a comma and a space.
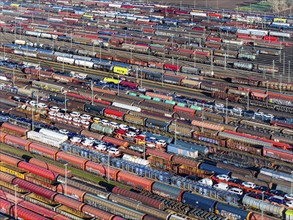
115, 174
241, 65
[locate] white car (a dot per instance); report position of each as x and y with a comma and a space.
219, 105
60, 115
114, 151
52, 114
85, 117
123, 127
63, 131
223, 177
206, 182
104, 122
75, 139
237, 110
221, 186
76, 121
130, 134
141, 89
87, 142
236, 190
33, 103
151, 145
101, 147
289, 196
161, 143
84, 122
114, 124
42, 105
249, 185
74, 114
290, 203
67, 117
54, 109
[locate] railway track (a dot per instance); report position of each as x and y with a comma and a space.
217, 148
147, 83
228, 72
178, 90
69, 67
185, 210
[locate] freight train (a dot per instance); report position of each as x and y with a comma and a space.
58, 198
188, 131
251, 144
125, 69
257, 97
9, 208
272, 100
269, 148
199, 56
161, 14
105, 203
139, 182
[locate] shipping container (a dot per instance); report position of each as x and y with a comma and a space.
207, 125
167, 191
231, 212
214, 169
100, 214
139, 198
263, 205
38, 170
72, 160
43, 138
120, 70
157, 124
179, 150
135, 181
42, 150
198, 201
101, 128
23, 213
191, 83
46, 193
115, 141
113, 114
50, 166
72, 192
125, 106
14, 129
181, 128
158, 95
156, 153
172, 78
6, 177
67, 201
16, 142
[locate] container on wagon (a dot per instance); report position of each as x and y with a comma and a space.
167, 191
179, 150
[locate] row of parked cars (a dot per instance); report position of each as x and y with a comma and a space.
271, 195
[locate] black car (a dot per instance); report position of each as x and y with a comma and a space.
19, 99
258, 196
262, 188
277, 192
235, 180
